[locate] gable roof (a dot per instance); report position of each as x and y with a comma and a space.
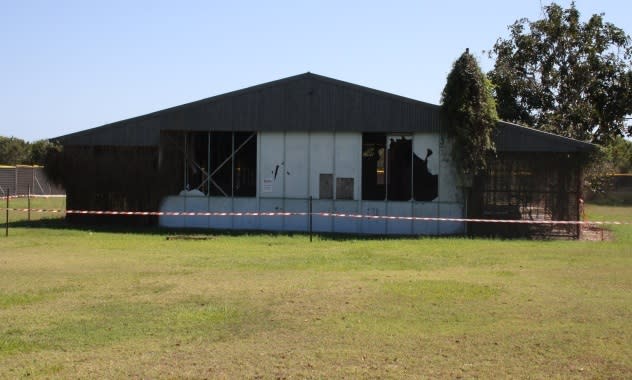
305, 102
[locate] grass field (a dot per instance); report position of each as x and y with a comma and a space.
76, 303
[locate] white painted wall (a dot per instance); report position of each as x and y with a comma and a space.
271, 165
348, 159
321, 159
296, 168
298, 159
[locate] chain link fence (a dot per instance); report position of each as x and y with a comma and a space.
25, 180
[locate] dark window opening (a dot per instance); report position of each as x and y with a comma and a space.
400, 150
221, 163
196, 161
425, 184
373, 166
220, 179
245, 170
392, 171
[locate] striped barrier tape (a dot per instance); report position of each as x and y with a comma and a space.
4, 197
323, 214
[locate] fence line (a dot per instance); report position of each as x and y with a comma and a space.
321, 214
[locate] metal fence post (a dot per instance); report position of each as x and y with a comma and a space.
28, 203
310, 218
6, 231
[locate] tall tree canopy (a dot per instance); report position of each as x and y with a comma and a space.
470, 111
14, 151
565, 76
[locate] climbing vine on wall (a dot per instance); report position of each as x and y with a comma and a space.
469, 111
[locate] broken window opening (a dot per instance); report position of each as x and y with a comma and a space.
221, 156
425, 184
399, 175
392, 171
245, 167
196, 161
220, 163
373, 166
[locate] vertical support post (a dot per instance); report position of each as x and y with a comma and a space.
186, 166
208, 164
310, 218
386, 170
412, 166
28, 200
232, 167
232, 178
580, 200
6, 232
467, 212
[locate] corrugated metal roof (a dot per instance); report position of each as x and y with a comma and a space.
305, 102
517, 138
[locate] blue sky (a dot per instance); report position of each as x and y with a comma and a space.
66, 66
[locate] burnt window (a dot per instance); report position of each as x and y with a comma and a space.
391, 170
399, 171
220, 149
373, 166
196, 161
245, 166
221, 163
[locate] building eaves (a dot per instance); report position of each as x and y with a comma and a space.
519, 138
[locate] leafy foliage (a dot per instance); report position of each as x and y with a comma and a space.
40, 150
598, 172
565, 76
14, 151
470, 111
619, 153
604, 163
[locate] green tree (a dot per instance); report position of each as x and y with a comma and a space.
565, 76
469, 109
619, 153
13, 151
39, 151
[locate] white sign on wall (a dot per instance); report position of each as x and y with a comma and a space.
267, 185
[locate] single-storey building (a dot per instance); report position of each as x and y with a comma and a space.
351, 149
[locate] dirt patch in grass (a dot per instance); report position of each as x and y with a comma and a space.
595, 233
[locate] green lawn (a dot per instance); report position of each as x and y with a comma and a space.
76, 303
42, 208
